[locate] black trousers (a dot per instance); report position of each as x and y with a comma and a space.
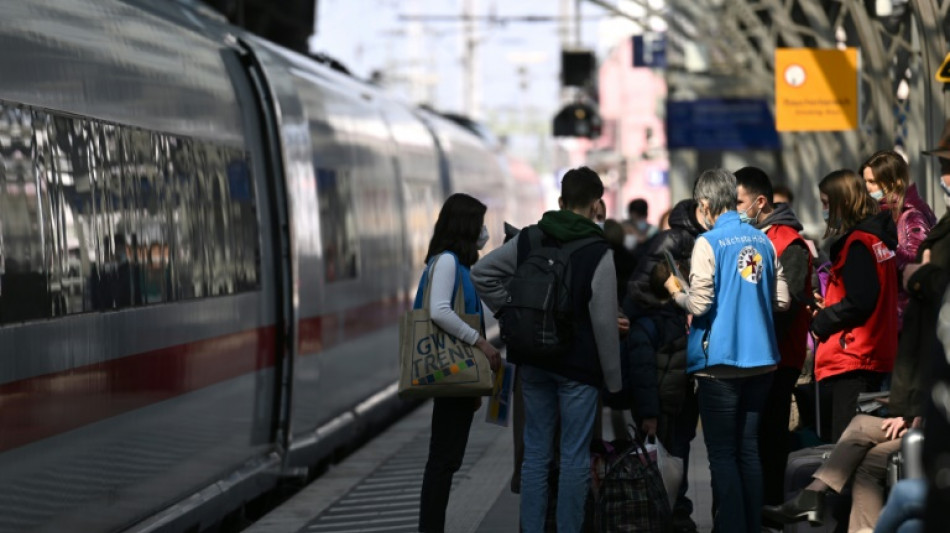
844, 396
451, 421
774, 435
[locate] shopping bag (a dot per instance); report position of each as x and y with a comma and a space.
671, 468
499, 406
434, 363
631, 496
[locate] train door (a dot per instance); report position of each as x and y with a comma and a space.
277, 268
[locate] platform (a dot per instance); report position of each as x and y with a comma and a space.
376, 490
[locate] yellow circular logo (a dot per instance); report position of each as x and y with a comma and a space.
750, 264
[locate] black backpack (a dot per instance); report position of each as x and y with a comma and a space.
537, 320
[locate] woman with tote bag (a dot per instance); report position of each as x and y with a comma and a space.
458, 236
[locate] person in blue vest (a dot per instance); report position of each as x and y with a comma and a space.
735, 283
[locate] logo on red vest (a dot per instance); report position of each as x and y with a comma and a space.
882, 252
750, 264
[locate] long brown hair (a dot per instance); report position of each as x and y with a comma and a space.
892, 175
457, 228
848, 201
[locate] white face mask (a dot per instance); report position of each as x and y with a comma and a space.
482, 238
630, 241
600, 225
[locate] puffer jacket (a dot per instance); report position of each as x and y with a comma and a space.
913, 226
678, 240
655, 350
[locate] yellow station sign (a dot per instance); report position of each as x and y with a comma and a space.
816, 89
943, 73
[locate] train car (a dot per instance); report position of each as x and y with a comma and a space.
205, 244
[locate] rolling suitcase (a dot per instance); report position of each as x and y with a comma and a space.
801, 465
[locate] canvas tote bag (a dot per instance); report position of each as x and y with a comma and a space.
434, 363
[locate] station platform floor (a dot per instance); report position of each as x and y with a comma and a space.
376, 489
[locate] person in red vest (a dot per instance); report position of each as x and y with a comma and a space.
778, 222
856, 322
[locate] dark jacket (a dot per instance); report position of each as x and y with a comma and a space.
791, 326
625, 262
678, 240
919, 337
860, 278
655, 352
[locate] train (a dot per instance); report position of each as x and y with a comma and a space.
206, 242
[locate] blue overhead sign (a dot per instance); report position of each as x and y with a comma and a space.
649, 50
720, 124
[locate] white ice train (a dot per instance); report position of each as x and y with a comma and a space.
205, 244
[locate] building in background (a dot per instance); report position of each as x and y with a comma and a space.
630, 154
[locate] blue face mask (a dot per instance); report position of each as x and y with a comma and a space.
824, 215
877, 195
745, 218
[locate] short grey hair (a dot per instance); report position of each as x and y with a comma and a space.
718, 187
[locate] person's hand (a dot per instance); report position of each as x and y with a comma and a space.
623, 324
911, 268
672, 285
817, 304
917, 422
492, 353
894, 427
649, 427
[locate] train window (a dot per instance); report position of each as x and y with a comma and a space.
337, 225
96, 216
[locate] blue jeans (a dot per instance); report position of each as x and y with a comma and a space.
730, 410
545, 395
904, 512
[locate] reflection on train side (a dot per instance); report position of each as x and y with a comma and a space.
97, 216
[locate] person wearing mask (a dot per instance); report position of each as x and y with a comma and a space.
887, 178
567, 387
861, 454
458, 236
756, 207
856, 321
637, 211
735, 283
676, 424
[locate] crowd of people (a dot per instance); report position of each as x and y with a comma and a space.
710, 318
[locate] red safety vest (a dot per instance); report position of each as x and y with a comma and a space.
872, 345
794, 343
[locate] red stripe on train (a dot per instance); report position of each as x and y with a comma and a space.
321, 332
43, 406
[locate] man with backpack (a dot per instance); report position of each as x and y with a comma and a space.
554, 290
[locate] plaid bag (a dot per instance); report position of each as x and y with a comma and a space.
630, 495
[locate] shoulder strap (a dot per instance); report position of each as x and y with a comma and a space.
528, 239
